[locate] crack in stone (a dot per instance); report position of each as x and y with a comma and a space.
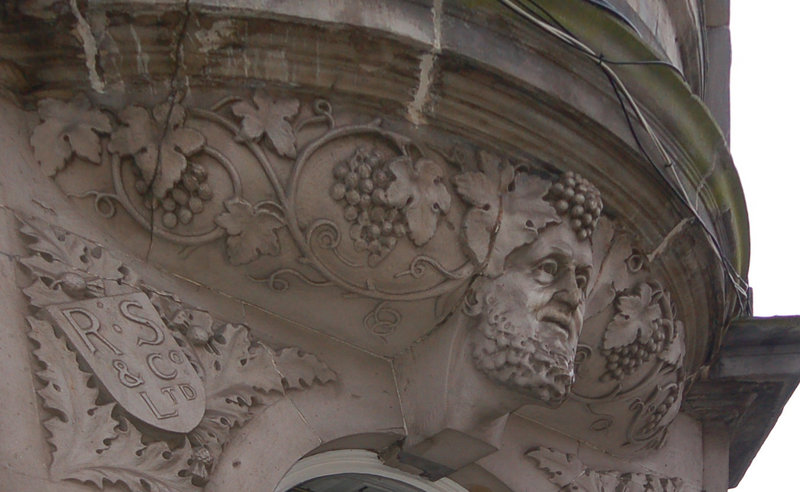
665, 242
427, 66
89, 48
177, 57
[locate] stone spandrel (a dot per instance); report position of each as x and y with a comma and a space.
135, 357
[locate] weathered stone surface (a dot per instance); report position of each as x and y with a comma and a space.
423, 229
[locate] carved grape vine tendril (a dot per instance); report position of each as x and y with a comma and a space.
419, 265
103, 202
382, 320
277, 281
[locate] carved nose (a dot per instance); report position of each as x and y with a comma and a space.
568, 291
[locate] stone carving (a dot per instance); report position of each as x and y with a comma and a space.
166, 175
568, 473
370, 210
160, 365
539, 264
69, 129
643, 327
138, 362
159, 144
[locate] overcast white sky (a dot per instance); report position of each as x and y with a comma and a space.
765, 105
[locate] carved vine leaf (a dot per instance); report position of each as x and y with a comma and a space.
158, 143
482, 190
418, 189
610, 250
269, 117
636, 318
525, 212
251, 231
673, 355
87, 444
497, 189
561, 468
68, 128
301, 369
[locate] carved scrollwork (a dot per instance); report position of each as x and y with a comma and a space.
158, 360
168, 176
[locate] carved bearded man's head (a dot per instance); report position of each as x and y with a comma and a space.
532, 312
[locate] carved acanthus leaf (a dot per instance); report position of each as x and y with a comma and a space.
67, 128
152, 467
158, 143
60, 252
419, 190
81, 426
269, 117
569, 474
88, 445
251, 231
300, 369
561, 468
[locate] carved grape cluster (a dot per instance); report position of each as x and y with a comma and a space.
643, 327
660, 411
623, 361
360, 185
186, 199
575, 198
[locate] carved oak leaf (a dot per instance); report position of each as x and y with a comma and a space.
67, 128
561, 468
300, 369
269, 117
158, 143
421, 194
525, 212
251, 231
636, 317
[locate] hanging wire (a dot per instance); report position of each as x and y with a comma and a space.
535, 13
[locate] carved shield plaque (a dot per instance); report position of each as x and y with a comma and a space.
137, 359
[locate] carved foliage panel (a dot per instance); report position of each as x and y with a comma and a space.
295, 194
140, 388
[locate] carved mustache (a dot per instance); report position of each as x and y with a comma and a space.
558, 313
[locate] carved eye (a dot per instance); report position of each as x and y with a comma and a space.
582, 278
545, 271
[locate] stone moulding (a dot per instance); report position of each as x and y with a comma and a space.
114, 381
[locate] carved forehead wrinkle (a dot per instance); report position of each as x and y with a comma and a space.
553, 240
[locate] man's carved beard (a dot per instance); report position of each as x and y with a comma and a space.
515, 349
